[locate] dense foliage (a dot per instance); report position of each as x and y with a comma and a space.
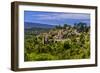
59, 43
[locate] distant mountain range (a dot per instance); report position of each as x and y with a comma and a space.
28, 25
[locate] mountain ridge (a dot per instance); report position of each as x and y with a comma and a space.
37, 25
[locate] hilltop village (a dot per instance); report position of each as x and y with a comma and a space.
59, 35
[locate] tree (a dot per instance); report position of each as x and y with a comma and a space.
58, 26
65, 25
81, 27
67, 45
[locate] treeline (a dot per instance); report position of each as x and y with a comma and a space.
81, 27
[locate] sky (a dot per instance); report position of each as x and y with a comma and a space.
56, 18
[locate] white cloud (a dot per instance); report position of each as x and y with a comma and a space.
52, 16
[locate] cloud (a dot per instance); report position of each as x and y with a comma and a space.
58, 16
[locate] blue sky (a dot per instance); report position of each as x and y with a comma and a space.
56, 18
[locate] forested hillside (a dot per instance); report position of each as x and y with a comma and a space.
58, 43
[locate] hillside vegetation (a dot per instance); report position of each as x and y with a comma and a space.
59, 43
